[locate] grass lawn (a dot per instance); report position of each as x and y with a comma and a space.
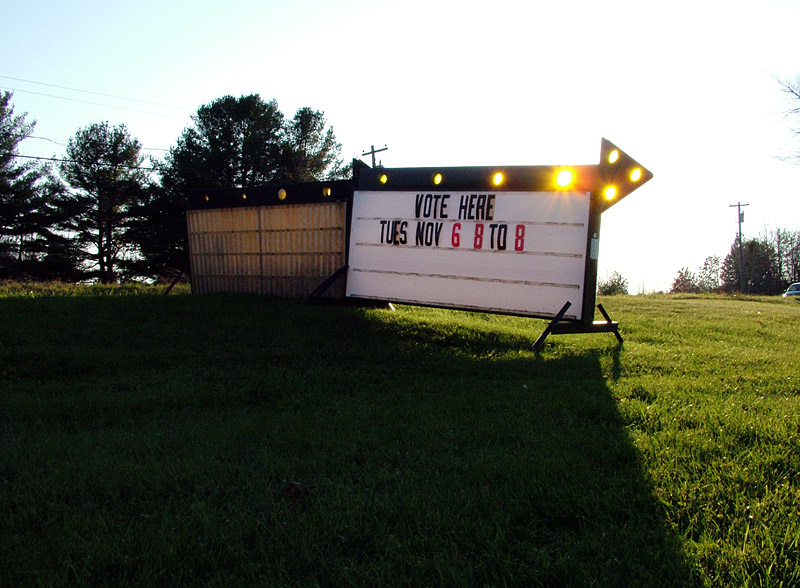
243, 441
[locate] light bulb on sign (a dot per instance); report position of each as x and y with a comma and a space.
564, 178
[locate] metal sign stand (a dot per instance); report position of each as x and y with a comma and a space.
557, 327
329, 281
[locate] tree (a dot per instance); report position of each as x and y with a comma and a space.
614, 284
241, 142
708, 279
309, 151
791, 88
158, 228
684, 282
104, 168
759, 268
27, 190
786, 245
791, 257
16, 183
234, 142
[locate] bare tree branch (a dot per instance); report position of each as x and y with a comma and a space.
791, 89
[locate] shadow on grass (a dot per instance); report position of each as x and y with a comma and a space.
244, 441
563, 499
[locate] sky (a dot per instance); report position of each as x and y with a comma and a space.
687, 88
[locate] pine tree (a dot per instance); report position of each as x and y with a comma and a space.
104, 168
28, 194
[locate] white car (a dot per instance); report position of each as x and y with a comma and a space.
793, 290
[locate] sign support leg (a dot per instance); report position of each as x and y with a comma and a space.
323, 287
540, 341
556, 327
614, 326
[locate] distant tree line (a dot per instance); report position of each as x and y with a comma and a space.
763, 265
107, 212
767, 265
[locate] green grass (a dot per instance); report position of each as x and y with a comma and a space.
240, 441
36, 289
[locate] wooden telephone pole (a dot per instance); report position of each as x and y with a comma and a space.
740, 217
373, 151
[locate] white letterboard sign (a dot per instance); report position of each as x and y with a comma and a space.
509, 252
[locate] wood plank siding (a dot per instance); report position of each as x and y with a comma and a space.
285, 250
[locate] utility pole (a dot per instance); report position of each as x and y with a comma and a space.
373, 151
740, 217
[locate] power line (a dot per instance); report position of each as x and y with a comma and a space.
63, 143
95, 93
59, 143
94, 103
73, 161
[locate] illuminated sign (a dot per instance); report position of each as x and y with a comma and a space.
515, 252
515, 240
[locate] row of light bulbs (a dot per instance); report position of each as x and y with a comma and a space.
564, 178
282, 194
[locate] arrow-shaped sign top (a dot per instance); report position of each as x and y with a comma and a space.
619, 175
